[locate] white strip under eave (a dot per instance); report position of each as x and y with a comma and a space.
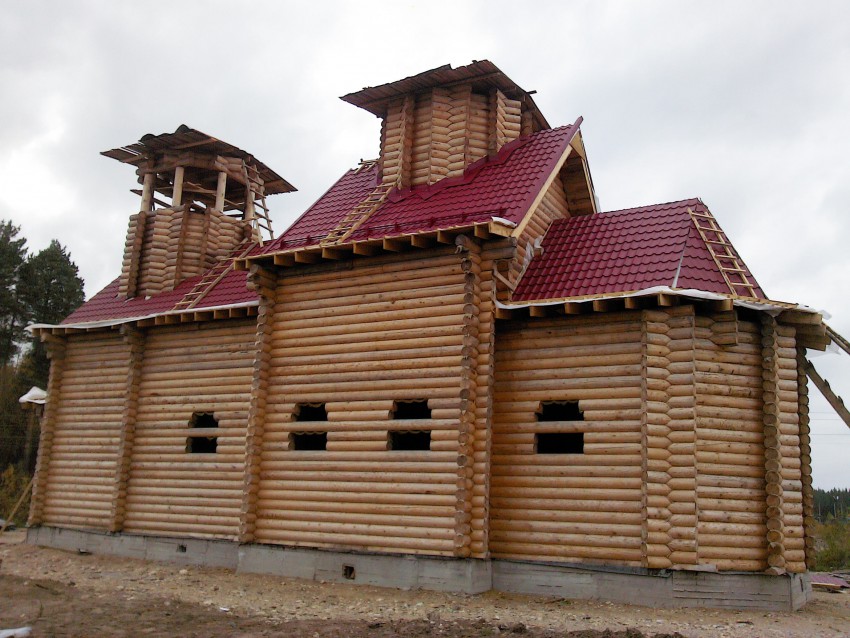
106, 323
771, 307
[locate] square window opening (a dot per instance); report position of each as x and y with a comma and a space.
559, 411
409, 440
203, 420
413, 409
201, 444
197, 443
309, 441
311, 412
559, 442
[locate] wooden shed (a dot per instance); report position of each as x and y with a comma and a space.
450, 372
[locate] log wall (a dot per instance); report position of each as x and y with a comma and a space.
575, 507
552, 206
437, 134
83, 430
392, 328
166, 246
730, 457
186, 369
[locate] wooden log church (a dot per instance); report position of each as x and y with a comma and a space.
451, 372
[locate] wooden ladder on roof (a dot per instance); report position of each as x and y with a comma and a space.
740, 282
212, 277
360, 213
261, 218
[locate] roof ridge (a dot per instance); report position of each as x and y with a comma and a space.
648, 207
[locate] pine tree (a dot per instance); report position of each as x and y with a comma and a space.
12, 314
53, 290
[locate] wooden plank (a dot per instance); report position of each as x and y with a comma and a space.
834, 400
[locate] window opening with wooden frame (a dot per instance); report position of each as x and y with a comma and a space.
203, 438
413, 440
309, 440
559, 442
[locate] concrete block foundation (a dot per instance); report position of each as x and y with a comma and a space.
637, 586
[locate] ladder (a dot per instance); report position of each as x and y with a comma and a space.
739, 281
359, 214
254, 182
213, 276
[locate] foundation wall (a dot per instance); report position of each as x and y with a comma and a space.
639, 586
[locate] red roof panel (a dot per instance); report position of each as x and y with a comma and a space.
501, 186
107, 305
623, 251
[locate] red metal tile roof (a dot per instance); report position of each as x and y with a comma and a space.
107, 305
501, 186
623, 251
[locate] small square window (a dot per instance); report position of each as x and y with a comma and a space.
309, 441
559, 411
202, 442
409, 440
559, 442
415, 409
311, 412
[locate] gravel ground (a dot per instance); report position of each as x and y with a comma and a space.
68, 594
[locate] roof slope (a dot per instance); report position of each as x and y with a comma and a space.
501, 186
624, 251
107, 305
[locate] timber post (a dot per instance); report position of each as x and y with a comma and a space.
655, 533
772, 451
263, 283
681, 398
806, 457
135, 340
56, 352
471, 267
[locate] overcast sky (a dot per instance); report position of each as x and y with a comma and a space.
746, 105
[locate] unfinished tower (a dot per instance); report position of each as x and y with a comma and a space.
201, 200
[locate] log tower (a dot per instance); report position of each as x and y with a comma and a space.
201, 200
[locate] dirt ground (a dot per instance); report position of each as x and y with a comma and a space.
68, 594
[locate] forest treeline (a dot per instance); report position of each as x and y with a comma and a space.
35, 287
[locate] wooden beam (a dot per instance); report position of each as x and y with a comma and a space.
423, 241
501, 230
304, 257
797, 316
481, 231
504, 313
177, 196
666, 301
334, 253
840, 341
632, 303
834, 400
573, 308
538, 311
395, 245
444, 237
220, 189
605, 305
367, 248
283, 260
